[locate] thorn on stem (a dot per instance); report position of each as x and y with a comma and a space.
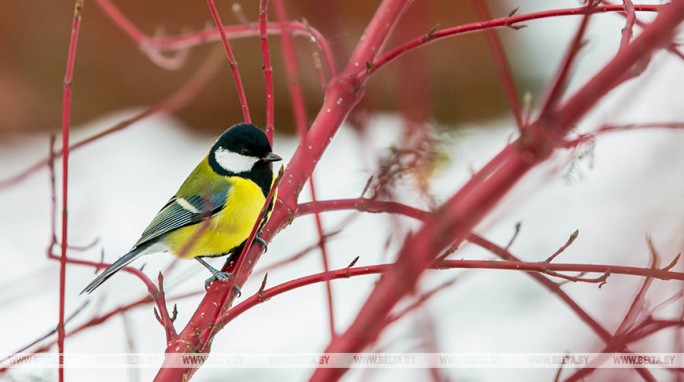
260, 293
431, 33
513, 11
565, 246
160, 280
174, 313
672, 263
516, 26
369, 67
518, 225
367, 186
349, 267
157, 316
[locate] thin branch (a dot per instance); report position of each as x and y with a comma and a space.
268, 69
164, 318
610, 128
518, 226
565, 246
93, 323
501, 63
502, 22
630, 18
346, 272
151, 46
554, 92
232, 63
66, 119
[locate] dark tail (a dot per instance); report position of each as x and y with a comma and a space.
115, 267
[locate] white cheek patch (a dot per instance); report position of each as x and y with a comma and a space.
234, 162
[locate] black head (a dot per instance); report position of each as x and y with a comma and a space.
239, 148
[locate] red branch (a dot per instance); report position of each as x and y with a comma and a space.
560, 81
231, 62
502, 64
618, 128
503, 22
199, 333
459, 214
538, 267
66, 117
627, 31
268, 69
152, 46
157, 295
343, 92
299, 108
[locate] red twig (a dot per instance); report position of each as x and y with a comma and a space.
341, 95
502, 64
364, 205
231, 62
324, 259
155, 293
91, 323
461, 212
502, 22
163, 316
66, 117
630, 17
151, 46
268, 69
636, 317
617, 128
555, 288
299, 108
377, 206
672, 46
538, 267
565, 246
554, 92
200, 331
290, 61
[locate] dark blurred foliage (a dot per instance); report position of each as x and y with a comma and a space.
449, 81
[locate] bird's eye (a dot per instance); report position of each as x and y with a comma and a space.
245, 152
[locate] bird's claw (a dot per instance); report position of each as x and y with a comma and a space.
222, 277
261, 242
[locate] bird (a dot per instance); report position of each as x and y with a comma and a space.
214, 210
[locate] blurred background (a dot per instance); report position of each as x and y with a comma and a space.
112, 73
616, 190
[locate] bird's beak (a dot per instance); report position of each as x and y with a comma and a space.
271, 157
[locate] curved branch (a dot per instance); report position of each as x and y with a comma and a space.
539, 267
502, 22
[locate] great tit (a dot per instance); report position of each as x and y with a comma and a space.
214, 210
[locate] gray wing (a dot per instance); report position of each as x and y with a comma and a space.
184, 211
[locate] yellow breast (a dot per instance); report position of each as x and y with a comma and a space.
225, 230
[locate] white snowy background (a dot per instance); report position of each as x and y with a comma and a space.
632, 187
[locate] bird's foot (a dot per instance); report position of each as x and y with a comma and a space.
262, 243
222, 277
